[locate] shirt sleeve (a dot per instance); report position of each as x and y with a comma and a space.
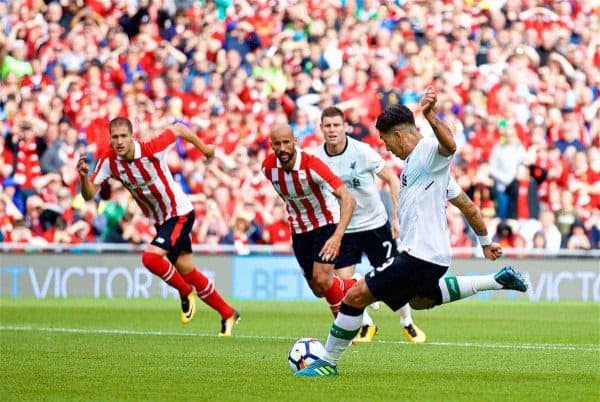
430, 157
453, 190
158, 144
373, 161
323, 175
102, 171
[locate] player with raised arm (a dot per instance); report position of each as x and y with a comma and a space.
143, 170
369, 230
309, 189
414, 275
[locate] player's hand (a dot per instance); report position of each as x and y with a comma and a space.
395, 228
209, 152
493, 251
428, 100
331, 248
82, 167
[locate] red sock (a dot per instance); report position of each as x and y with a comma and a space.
164, 269
334, 295
207, 292
348, 283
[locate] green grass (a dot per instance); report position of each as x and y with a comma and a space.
477, 350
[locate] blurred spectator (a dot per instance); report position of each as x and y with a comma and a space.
567, 214
577, 239
518, 82
506, 156
243, 232
539, 241
277, 230
356, 129
506, 237
524, 192
550, 231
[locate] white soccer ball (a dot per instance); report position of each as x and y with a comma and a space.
304, 352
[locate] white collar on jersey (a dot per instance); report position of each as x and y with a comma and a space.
137, 151
298, 160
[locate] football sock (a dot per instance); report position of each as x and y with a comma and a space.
334, 295
164, 269
343, 331
405, 315
458, 287
367, 319
207, 292
348, 283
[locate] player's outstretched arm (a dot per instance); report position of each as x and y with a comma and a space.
441, 130
388, 176
88, 189
473, 215
347, 203
182, 131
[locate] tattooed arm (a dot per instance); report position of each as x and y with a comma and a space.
473, 215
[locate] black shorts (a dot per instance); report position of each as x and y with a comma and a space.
308, 245
403, 278
174, 236
378, 244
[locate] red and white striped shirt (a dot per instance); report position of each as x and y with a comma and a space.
148, 178
307, 190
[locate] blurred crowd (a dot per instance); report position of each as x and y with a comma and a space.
517, 80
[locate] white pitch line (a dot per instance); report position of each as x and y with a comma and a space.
106, 331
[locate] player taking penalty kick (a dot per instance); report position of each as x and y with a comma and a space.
142, 168
414, 276
369, 230
309, 189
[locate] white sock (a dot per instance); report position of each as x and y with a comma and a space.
459, 287
405, 315
367, 319
343, 330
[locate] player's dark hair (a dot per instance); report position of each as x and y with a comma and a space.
332, 111
119, 122
394, 115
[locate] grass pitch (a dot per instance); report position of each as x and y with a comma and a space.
118, 349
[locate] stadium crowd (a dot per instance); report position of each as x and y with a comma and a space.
518, 80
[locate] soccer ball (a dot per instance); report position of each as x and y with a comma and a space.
304, 352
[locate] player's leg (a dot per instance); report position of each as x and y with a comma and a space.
453, 288
351, 251
153, 259
317, 271
368, 329
342, 332
410, 330
206, 291
380, 247
459, 287
181, 257
387, 283
324, 284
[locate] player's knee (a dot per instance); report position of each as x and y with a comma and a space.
319, 284
358, 296
150, 259
421, 303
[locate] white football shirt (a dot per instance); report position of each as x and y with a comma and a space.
422, 206
357, 166
454, 189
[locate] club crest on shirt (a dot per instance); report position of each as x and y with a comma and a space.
136, 186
